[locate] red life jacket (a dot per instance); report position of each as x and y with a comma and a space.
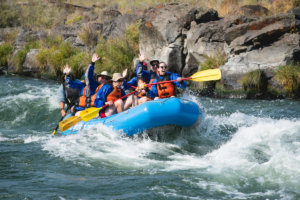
114, 95
165, 90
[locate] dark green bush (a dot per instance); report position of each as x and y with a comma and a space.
255, 82
5, 53
9, 15
289, 77
89, 36
212, 62
118, 54
79, 62
20, 55
55, 54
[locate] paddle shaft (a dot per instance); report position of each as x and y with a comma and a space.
69, 106
89, 114
182, 79
161, 82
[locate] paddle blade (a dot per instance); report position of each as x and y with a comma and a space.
89, 113
53, 133
207, 75
69, 122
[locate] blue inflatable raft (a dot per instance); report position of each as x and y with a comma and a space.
170, 111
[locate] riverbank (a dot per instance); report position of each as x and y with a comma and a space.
257, 49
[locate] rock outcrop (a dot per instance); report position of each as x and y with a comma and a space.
31, 64
261, 44
164, 29
183, 37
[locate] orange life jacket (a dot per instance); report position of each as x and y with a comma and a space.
114, 95
165, 90
82, 99
141, 94
93, 97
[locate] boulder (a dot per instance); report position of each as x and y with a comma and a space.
118, 25
163, 32
67, 31
31, 64
108, 15
295, 11
207, 39
261, 44
252, 10
25, 35
285, 50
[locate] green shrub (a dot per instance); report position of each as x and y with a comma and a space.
132, 36
118, 54
9, 15
10, 37
74, 20
19, 59
20, 55
289, 77
78, 62
58, 54
213, 62
255, 83
89, 36
210, 62
5, 53
42, 58
51, 41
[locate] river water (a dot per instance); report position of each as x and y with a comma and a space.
242, 149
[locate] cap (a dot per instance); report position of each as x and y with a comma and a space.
153, 62
104, 73
117, 76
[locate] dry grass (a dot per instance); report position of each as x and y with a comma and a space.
223, 7
42, 14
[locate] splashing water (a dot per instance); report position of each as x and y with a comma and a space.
241, 150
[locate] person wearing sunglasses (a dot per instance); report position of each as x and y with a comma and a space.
165, 90
142, 78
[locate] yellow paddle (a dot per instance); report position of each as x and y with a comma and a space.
69, 122
205, 75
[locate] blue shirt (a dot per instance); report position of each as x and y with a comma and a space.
101, 95
89, 76
140, 71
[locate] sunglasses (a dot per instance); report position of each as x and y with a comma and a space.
119, 81
163, 67
155, 65
104, 77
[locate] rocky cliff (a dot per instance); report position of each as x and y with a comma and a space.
183, 37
